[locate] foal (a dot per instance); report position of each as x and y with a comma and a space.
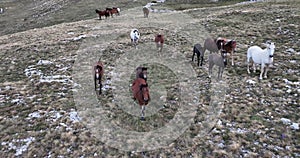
199, 51
146, 11
216, 59
98, 74
159, 40
134, 35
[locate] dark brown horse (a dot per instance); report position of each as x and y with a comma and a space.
159, 40
141, 93
102, 13
98, 74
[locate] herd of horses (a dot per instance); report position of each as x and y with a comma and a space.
108, 12
220, 49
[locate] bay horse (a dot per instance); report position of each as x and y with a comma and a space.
261, 56
141, 72
219, 60
112, 11
198, 49
140, 91
102, 13
159, 40
146, 11
98, 74
134, 35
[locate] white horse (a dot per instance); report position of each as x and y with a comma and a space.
261, 56
134, 35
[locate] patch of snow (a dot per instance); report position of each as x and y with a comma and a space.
295, 126
30, 71
44, 62
285, 121
79, 37
55, 78
293, 61
291, 50
19, 148
251, 81
290, 82
34, 115
74, 116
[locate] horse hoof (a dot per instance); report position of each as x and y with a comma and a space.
142, 118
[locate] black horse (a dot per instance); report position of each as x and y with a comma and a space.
199, 51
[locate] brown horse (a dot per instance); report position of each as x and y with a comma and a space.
140, 92
229, 46
102, 13
98, 74
159, 40
146, 11
112, 11
214, 45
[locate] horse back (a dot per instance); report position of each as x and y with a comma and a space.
210, 45
198, 49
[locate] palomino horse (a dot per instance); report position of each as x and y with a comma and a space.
113, 10
102, 13
159, 40
140, 92
261, 56
216, 59
98, 74
199, 51
146, 11
134, 35
141, 72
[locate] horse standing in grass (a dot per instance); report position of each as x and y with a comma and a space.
146, 11
261, 56
141, 93
98, 74
198, 49
219, 60
113, 10
229, 46
159, 40
211, 45
134, 35
102, 13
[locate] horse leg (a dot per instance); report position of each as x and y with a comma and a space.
198, 59
210, 69
266, 71
100, 85
193, 56
262, 71
232, 58
95, 80
254, 67
142, 112
201, 61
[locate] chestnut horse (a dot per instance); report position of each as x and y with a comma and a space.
98, 74
113, 10
159, 40
229, 46
102, 13
214, 45
146, 11
140, 93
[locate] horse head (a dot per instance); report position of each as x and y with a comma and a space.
271, 50
145, 92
